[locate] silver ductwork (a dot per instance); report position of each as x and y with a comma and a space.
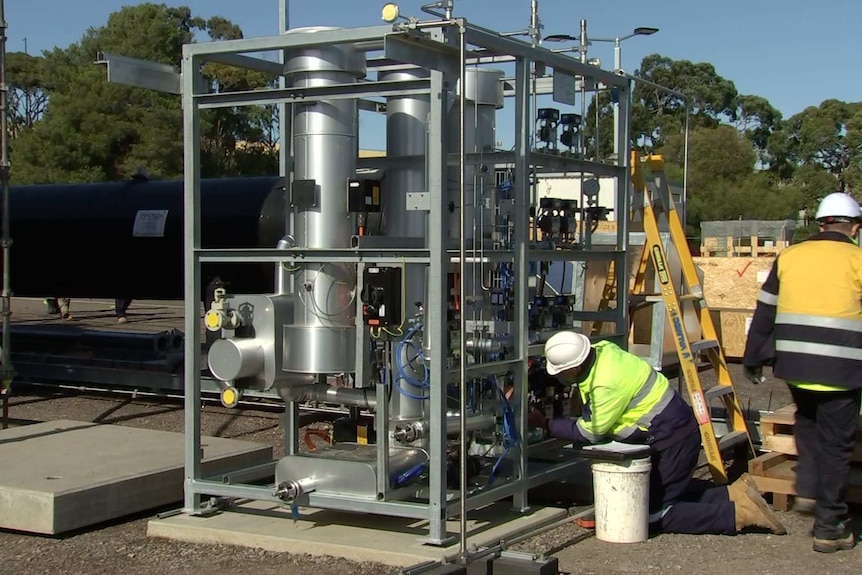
325, 145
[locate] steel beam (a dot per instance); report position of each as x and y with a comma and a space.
286, 41
312, 94
478, 36
248, 63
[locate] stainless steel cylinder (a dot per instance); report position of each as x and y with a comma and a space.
484, 95
406, 135
325, 144
232, 359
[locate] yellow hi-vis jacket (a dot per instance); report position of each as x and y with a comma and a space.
622, 394
808, 320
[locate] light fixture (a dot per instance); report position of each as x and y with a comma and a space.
390, 12
560, 38
645, 31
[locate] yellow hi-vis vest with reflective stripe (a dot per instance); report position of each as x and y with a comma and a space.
808, 320
621, 394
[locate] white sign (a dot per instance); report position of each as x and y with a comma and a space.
563, 86
762, 275
150, 224
747, 324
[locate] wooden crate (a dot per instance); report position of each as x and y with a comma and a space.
775, 470
775, 473
731, 247
732, 326
776, 432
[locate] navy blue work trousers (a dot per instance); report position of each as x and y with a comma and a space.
680, 505
825, 433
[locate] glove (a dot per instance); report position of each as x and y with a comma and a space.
753, 374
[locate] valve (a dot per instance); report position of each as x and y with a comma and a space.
230, 396
220, 315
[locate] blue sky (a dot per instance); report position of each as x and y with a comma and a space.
795, 53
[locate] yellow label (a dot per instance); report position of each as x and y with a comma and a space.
362, 435
660, 266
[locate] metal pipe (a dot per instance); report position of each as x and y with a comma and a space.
416, 430
684, 199
6, 370
462, 258
352, 396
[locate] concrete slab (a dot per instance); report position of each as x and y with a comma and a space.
60, 476
358, 537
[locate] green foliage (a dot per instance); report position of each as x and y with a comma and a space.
92, 130
27, 97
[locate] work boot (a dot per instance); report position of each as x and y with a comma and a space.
804, 505
737, 490
753, 511
844, 542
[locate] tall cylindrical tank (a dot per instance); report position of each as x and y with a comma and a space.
484, 95
406, 135
325, 144
125, 239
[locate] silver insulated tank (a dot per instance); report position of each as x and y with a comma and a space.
325, 143
484, 96
406, 135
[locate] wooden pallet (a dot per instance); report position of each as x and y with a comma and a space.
775, 473
776, 433
775, 470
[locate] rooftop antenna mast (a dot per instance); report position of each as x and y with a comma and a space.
6, 371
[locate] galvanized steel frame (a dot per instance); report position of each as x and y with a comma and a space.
437, 255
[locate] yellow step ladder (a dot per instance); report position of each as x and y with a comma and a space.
690, 352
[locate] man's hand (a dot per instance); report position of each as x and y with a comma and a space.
753, 374
535, 418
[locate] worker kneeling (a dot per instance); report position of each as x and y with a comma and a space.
626, 400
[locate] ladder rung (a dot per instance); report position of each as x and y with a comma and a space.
717, 391
656, 297
703, 345
732, 439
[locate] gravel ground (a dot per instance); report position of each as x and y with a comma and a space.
123, 547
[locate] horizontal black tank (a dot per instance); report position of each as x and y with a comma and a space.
125, 239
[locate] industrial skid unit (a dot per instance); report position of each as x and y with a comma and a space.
406, 284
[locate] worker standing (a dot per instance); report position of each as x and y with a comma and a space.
625, 399
808, 326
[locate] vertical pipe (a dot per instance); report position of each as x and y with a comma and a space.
435, 311
583, 45
523, 116
462, 278
623, 205
192, 244
684, 198
284, 278
6, 370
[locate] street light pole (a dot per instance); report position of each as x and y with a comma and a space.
618, 64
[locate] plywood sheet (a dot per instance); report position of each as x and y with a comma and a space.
733, 282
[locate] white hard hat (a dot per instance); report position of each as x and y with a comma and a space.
564, 350
839, 206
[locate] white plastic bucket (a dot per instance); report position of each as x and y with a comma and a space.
621, 491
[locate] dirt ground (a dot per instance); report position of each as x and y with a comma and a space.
123, 547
